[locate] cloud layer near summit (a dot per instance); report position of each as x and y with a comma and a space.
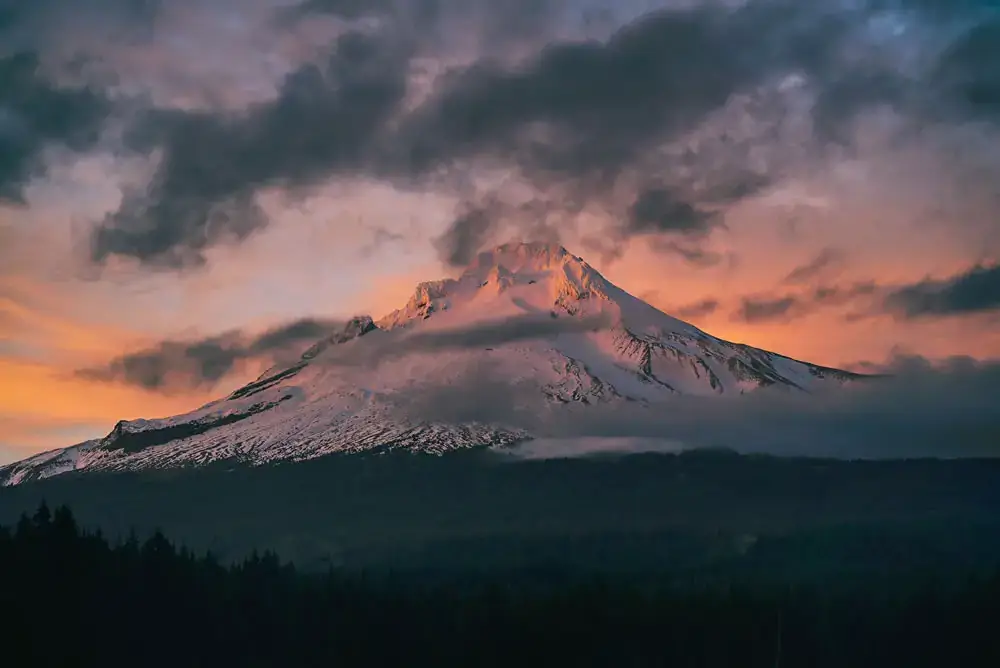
817, 178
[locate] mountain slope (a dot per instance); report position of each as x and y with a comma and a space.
531, 319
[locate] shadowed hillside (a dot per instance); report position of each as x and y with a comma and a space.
151, 602
704, 514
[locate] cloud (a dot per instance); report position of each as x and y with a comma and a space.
380, 237
482, 393
587, 108
490, 333
382, 346
923, 409
658, 211
769, 308
186, 365
466, 235
581, 119
693, 252
348, 9
36, 398
597, 104
588, 114
969, 68
498, 332
574, 118
760, 309
974, 291
826, 260
838, 295
697, 309
211, 166
39, 24
36, 113
668, 223
491, 23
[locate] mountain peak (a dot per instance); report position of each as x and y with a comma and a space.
505, 266
562, 275
516, 308
515, 256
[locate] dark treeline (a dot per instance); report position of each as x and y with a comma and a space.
697, 515
74, 598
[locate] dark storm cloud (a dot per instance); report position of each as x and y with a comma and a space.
178, 365
582, 113
9, 15
38, 15
585, 108
14, 12
673, 225
322, 123
970, 68
35, 113
975, 291
493, 22
72, 31
729, 188
658, 211
598, 104
572, 118
846, 95
466, 234
826, 259
348, 9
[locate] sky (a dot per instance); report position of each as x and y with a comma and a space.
813, 177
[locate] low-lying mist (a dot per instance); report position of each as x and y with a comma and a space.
919, 409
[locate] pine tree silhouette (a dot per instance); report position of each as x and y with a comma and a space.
74, 598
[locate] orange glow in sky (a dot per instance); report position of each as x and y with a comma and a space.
319, 167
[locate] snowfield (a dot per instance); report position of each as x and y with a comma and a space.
531, 318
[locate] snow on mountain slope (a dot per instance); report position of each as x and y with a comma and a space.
538, 318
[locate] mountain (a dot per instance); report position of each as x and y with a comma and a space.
528, 334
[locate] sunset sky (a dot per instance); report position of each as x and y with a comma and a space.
816, 177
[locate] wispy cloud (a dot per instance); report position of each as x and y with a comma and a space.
974, 291
825, 262
185, 365
375, 350
785, 307
697, 309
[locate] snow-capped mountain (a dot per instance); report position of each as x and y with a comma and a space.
537, 318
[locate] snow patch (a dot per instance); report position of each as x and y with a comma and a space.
327, 403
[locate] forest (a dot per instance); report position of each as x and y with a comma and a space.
694, 516
74, 597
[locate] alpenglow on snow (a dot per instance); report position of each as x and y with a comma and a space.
532, 318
